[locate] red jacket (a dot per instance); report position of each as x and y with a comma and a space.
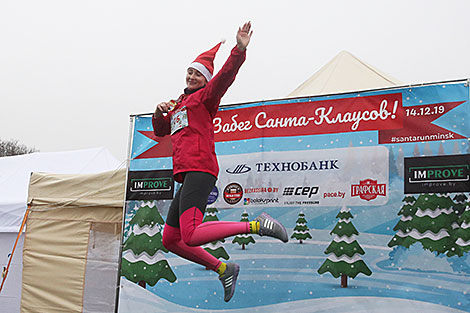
193, 145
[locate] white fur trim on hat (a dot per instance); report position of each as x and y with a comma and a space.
202, 69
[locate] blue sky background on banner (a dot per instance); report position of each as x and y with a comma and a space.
455, 120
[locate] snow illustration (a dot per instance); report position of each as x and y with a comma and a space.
244, 239
344, 252
143, 260
215, 247
301, 230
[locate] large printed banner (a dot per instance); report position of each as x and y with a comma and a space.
372, 187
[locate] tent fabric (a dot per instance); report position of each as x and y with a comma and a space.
54, 260
61, 191
15, 173
344, 73
68, 214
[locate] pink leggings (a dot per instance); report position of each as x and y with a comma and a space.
184, 235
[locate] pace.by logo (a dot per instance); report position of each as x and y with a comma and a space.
239, 169
300, 191
368, 189
233, 193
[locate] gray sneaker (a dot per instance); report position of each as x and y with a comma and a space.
229, 280
269, 226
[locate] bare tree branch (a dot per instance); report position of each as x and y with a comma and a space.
13, 147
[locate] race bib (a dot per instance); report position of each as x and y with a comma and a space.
179, 120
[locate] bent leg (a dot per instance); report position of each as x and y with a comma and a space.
196, 233
172, 241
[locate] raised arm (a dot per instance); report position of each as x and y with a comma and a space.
217, 86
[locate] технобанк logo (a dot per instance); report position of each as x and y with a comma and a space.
368, 189
239, 169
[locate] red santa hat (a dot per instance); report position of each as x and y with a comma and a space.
204, 63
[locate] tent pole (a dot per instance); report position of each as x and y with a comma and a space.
129, 155
5, 273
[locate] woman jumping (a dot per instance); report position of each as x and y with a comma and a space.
189, 122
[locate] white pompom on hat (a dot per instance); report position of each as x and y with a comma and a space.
204, 63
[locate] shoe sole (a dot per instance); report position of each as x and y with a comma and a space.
234, 282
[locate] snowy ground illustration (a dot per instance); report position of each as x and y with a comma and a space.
134, 298
276, 276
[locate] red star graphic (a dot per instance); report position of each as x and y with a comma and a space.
162, 149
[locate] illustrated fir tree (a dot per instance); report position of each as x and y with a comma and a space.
344, 252
402, 229
460, 203
431, 224
215, 247
461, 235
244, 239
392, 167
416, 151
400, 162
427, 149
143, 261
441, 151
130, 212
301, 230
456, 148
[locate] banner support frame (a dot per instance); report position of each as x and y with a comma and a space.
128, 161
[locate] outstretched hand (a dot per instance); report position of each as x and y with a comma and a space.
244, 36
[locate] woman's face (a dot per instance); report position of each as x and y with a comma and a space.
194, 79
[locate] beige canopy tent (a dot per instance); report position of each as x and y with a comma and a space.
344, 73
71, 247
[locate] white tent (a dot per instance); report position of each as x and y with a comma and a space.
15, 174
344, 73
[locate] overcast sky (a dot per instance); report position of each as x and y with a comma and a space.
71, 72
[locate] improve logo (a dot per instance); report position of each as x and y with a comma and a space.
437, 174
150, 185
